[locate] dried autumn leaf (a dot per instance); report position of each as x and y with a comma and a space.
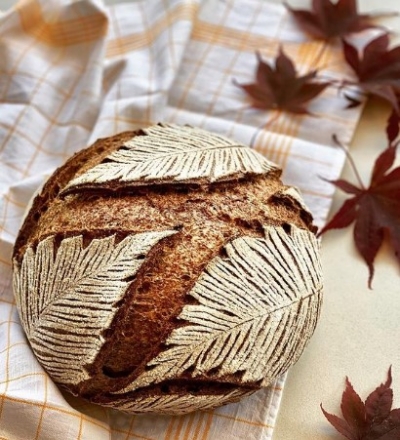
372, 420
393, 126
378, 69
374, 210
327, 20
279, 86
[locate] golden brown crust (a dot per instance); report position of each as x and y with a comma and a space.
205, 216
85, 159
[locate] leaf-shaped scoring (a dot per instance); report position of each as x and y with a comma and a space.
256, 310
68, 298
177, 404
173, 154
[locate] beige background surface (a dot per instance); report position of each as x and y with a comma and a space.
359, 331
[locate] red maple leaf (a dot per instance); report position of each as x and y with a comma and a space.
378, 69
370, 420
279, 86
376, 209
327, 20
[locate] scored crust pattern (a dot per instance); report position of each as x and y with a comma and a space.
248, 311
175, 154
176, 404
68, 298
248, 304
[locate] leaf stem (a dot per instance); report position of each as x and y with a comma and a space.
350, 159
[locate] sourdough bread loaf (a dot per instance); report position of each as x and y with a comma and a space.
167, 270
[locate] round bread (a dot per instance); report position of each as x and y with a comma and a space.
167, 270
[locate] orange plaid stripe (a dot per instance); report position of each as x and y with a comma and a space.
232, 38
64, 32
131, 42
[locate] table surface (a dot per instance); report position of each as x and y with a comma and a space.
358, 334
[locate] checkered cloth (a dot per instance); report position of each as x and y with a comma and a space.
73, 71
